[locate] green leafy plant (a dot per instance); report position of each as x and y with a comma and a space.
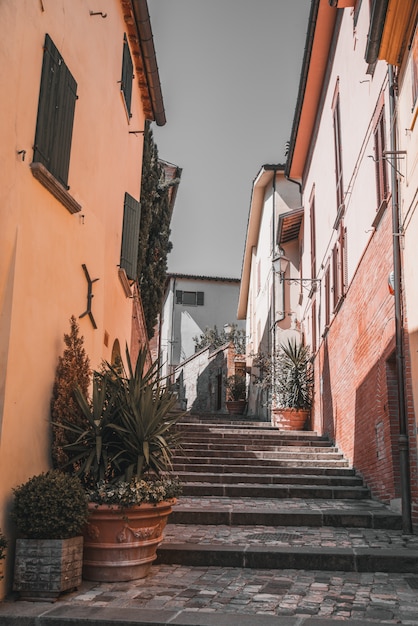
236, 387
288, 374
52, 505
91, 452
293, 383
136, 491
128, 434
3, 546
214, 337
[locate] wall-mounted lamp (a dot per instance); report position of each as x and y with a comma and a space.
280, 265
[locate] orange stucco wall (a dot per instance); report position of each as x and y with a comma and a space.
43, 245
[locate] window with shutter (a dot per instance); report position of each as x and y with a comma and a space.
313, 236
130, 236
127, 76
338, 153
327, 289
380, 162
339, 264
190, 298
54, 125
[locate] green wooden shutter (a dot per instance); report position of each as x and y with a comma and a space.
54, 124
130, 236
179, 296
127, 75
200, 298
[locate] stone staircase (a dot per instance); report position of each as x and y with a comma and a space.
262, 498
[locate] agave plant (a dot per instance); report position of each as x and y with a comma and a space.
129, 428
91, 453
144, 424
294, 376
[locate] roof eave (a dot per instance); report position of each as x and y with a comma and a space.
140, 36
321, 25
263, 178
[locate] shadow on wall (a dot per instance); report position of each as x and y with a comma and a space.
327, 402
376, 430
200, 381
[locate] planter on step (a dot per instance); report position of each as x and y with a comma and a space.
290, 419
121, 544
45, 568
236, 407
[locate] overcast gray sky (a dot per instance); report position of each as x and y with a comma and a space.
229, 72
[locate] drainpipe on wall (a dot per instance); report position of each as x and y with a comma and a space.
273, 297
399, 328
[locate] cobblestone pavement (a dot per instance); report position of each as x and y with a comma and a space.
378, 597
294, 536
279, 504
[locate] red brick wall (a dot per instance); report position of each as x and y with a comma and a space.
356, 387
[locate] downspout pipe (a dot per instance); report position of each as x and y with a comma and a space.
399, 327
274, 297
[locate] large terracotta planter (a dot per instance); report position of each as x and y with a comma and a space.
289, 419
236, 407
44, 568
121, 544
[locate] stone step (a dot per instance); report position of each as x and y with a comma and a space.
290, 548
241, 511
350, 480
256, 447
280, 455
250, 431
234, 439
276, 491
261, 468
179, 462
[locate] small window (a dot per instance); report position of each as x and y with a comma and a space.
313, 236
56, 106
338, 153
130, 236
380, 161
339, 268
190, 298
327, 289
127, 76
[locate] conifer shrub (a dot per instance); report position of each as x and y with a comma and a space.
73, 371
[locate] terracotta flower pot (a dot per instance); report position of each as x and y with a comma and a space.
289, 419
236, 407
121, 544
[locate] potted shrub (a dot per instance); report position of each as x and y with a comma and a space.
122, 453
49, 510
293, 386
236, 391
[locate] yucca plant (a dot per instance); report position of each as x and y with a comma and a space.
293, 380
91, 454
144, 424
128, 434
